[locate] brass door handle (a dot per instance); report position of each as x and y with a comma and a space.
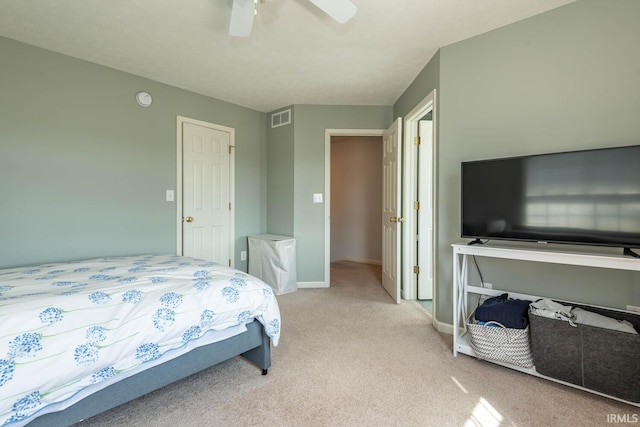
188, 219
400, 219
396, 219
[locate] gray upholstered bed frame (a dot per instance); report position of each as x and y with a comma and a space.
253, 344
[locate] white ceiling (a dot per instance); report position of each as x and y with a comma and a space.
296, 54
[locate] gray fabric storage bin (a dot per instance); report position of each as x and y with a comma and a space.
556, 348
603, 360
272, 258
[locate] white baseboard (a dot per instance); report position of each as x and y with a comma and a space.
445, 328
364, 261
312, 285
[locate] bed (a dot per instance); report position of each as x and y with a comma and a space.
79, 338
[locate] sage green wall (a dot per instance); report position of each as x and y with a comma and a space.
564, 80
427, 81
310, 124
84, 169
280, 200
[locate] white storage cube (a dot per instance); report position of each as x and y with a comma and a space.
272, 258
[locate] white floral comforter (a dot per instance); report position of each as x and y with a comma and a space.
65, 327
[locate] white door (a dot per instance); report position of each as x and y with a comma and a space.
206, 206
391, 220
425, 213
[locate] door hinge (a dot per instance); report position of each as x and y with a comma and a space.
229, 205
230, 149
416, 269
229, 262
416, 205
416, 140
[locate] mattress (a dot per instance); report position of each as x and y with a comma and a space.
69, 329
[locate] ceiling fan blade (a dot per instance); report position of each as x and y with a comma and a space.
340, 10
242, 15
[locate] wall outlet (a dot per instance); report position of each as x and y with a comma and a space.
243, 255
633, 308
488, 285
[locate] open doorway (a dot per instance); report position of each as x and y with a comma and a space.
356, 198
419, 177
353, 189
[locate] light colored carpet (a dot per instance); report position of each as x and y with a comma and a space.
349, 356
426, 304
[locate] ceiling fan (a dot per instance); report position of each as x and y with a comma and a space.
243, 12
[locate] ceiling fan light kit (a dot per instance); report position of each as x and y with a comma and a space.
243, 13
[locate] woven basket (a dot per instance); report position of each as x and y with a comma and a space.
501, 344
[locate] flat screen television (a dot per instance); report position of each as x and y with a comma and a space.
589, 197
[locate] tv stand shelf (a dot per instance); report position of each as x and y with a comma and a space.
461, 287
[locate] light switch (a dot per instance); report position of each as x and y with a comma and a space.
317, 197
169, 195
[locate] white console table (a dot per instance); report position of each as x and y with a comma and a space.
461, 287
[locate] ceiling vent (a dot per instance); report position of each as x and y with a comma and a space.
281, 118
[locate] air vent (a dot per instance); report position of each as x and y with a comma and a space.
281, 118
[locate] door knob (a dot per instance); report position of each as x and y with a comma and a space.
188, 219
400, 219
393, 219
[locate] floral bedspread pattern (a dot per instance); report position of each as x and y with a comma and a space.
67, 326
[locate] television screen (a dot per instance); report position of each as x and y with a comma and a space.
589, 197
